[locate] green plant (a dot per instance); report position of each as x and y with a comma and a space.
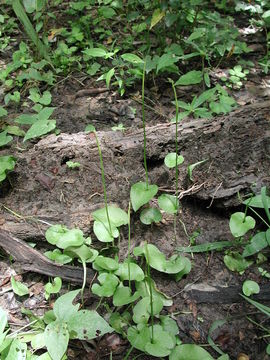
236, 76
7, 163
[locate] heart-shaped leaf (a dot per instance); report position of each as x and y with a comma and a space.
102, 231
18, 287
171, 160
130, 271
189, 352
107, 287
150, 215
235, 262
240, 224
142, 310
5, 138
250, 287
162, 344
106, 263
122, 296
168, 203
56, 338
73, 237
138, 338
141, 194
87, 325
63, 307
40, 128
257, 243
53, 288
117, 216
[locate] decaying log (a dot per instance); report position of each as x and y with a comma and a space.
236, 146
204, 293
30, 259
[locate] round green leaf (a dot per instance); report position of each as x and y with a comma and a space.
122, 296
73, 237
139, 338
56, 338
162, 345
189, 352
106, 263
117, 216
239, 224
54, 233
171, 158
132, 58
133, 270
90, 128
57, 256
150, 215
102, 232
141, 194
168, 203
235, 262
54, 287
107, 287
250, 287
18, 287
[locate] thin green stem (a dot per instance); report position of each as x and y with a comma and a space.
84, 279
151, 292
144, 131
129, 282
103, 183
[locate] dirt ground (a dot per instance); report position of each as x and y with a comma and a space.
71, 202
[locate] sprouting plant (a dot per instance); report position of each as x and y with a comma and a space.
236, 76
142, 192
109, 218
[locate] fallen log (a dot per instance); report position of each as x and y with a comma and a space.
30, 259
236, 146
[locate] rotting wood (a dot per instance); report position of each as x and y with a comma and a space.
30, 259
237, 147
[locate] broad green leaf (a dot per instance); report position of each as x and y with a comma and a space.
106, 263
102, 231
139, 338
17, 350
141, 194
189, 352
162, 344
45, 113
107, 12
18, 287
171, 160
3, 320
53, 288
73, 237
168, 203
87, 325
142, 310
186, 269
54, 233
257, 243
150, 215
169, 325
118, 217
14, 130
190, 78
129, 271
250, 287
123, 296
40, 128
30, 5
83, 252
26, 119
256, 201
132, 58
3, 111
7, 162
63, 307
166, 60
240, 224
46, 98
95, 52
90, 128
156, 17
38, 341
107, 287
5, 138
235, 262
143, 287
205, 96
56, 338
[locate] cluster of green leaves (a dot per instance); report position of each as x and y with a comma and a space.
53, 331
240, 224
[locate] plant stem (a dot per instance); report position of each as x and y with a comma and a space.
103, 183
151, 292
84, 279
176, 151
144, 132
129, 282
